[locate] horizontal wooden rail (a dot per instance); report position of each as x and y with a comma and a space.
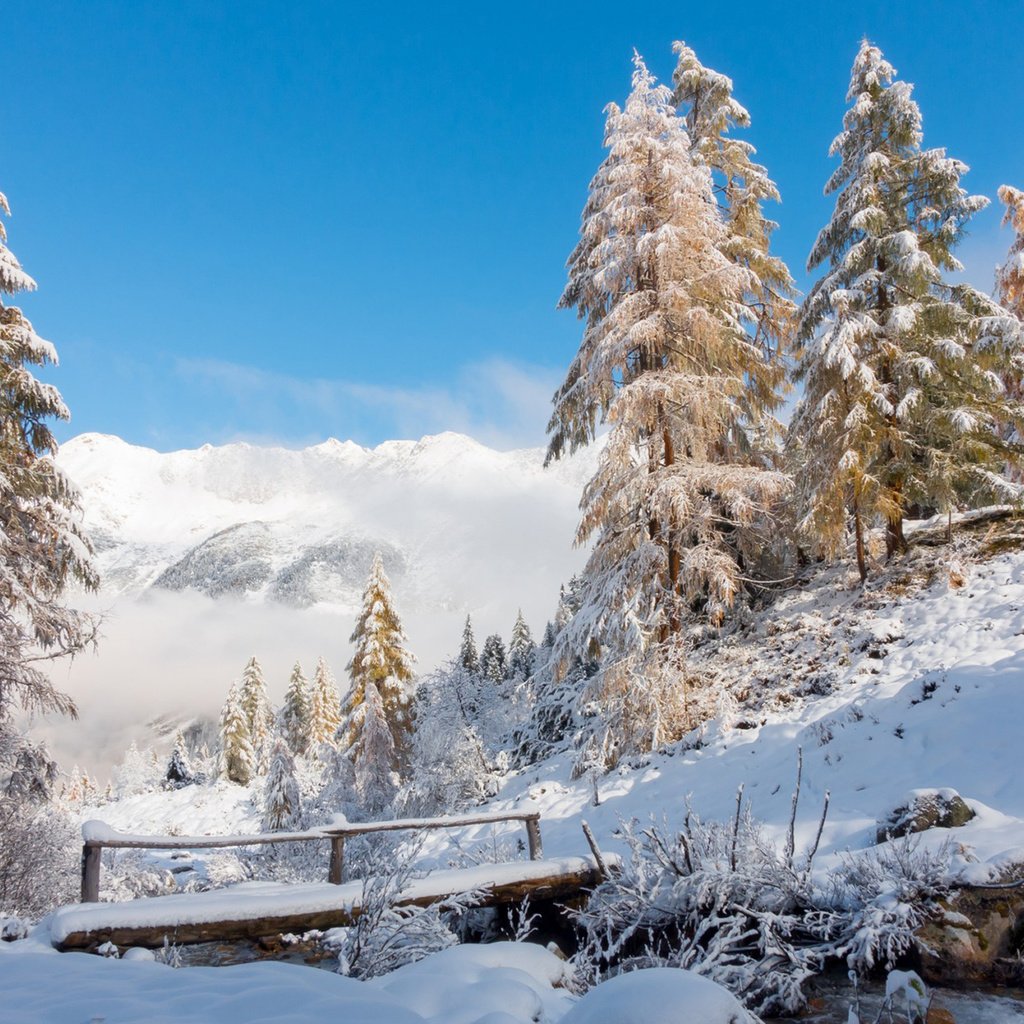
98, 836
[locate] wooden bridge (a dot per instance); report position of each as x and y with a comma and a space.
254, 910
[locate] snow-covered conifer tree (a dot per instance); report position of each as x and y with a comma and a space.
1010, 276
902, 371
296, 713
493, 661
325, 707
522, 650
381, 658
258, 712
679, 507
374, 752
179, 771
281, 805
549, 636
237, 756
468, 657
42, 545
742, 187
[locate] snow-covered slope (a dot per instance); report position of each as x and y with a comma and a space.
211, 556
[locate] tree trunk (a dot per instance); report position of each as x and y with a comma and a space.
895, 542
674, 558
858, 529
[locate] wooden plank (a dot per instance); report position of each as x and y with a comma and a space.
556, 886
114, 840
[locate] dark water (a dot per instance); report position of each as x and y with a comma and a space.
833, 995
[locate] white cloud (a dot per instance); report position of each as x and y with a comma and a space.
498, 402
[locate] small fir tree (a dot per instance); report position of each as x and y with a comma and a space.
296, 712
468, 657
237, 756
374, 753
258, 712
281, 803
179, 771
902, 371
381, 658
493, 661
521, 650
325, 707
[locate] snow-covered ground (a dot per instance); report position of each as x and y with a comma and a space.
500, 983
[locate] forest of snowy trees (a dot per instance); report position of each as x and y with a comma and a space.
909, 404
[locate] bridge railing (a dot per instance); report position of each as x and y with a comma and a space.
98, 836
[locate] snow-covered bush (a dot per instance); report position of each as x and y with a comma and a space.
39, 858
385, 937
131, 874
888, 893
718, 899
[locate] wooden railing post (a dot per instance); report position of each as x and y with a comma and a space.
533, 835
91, 858
337, 864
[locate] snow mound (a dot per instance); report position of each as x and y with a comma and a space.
506, 983
658, 995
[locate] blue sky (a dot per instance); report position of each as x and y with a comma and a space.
282, 222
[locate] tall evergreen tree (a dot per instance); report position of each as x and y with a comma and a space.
902, 370
1010, 276
237, 756
741, 186
468, 658
296, 713
381, 658
678, 506
42, 546
281, 803
325, 707
258, 713
522, 650
493, 661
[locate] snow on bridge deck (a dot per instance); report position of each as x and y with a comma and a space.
256, 909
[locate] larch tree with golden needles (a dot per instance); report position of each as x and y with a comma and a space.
382, 658
324, 708
678, 507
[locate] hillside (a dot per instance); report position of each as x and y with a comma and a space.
913, 683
